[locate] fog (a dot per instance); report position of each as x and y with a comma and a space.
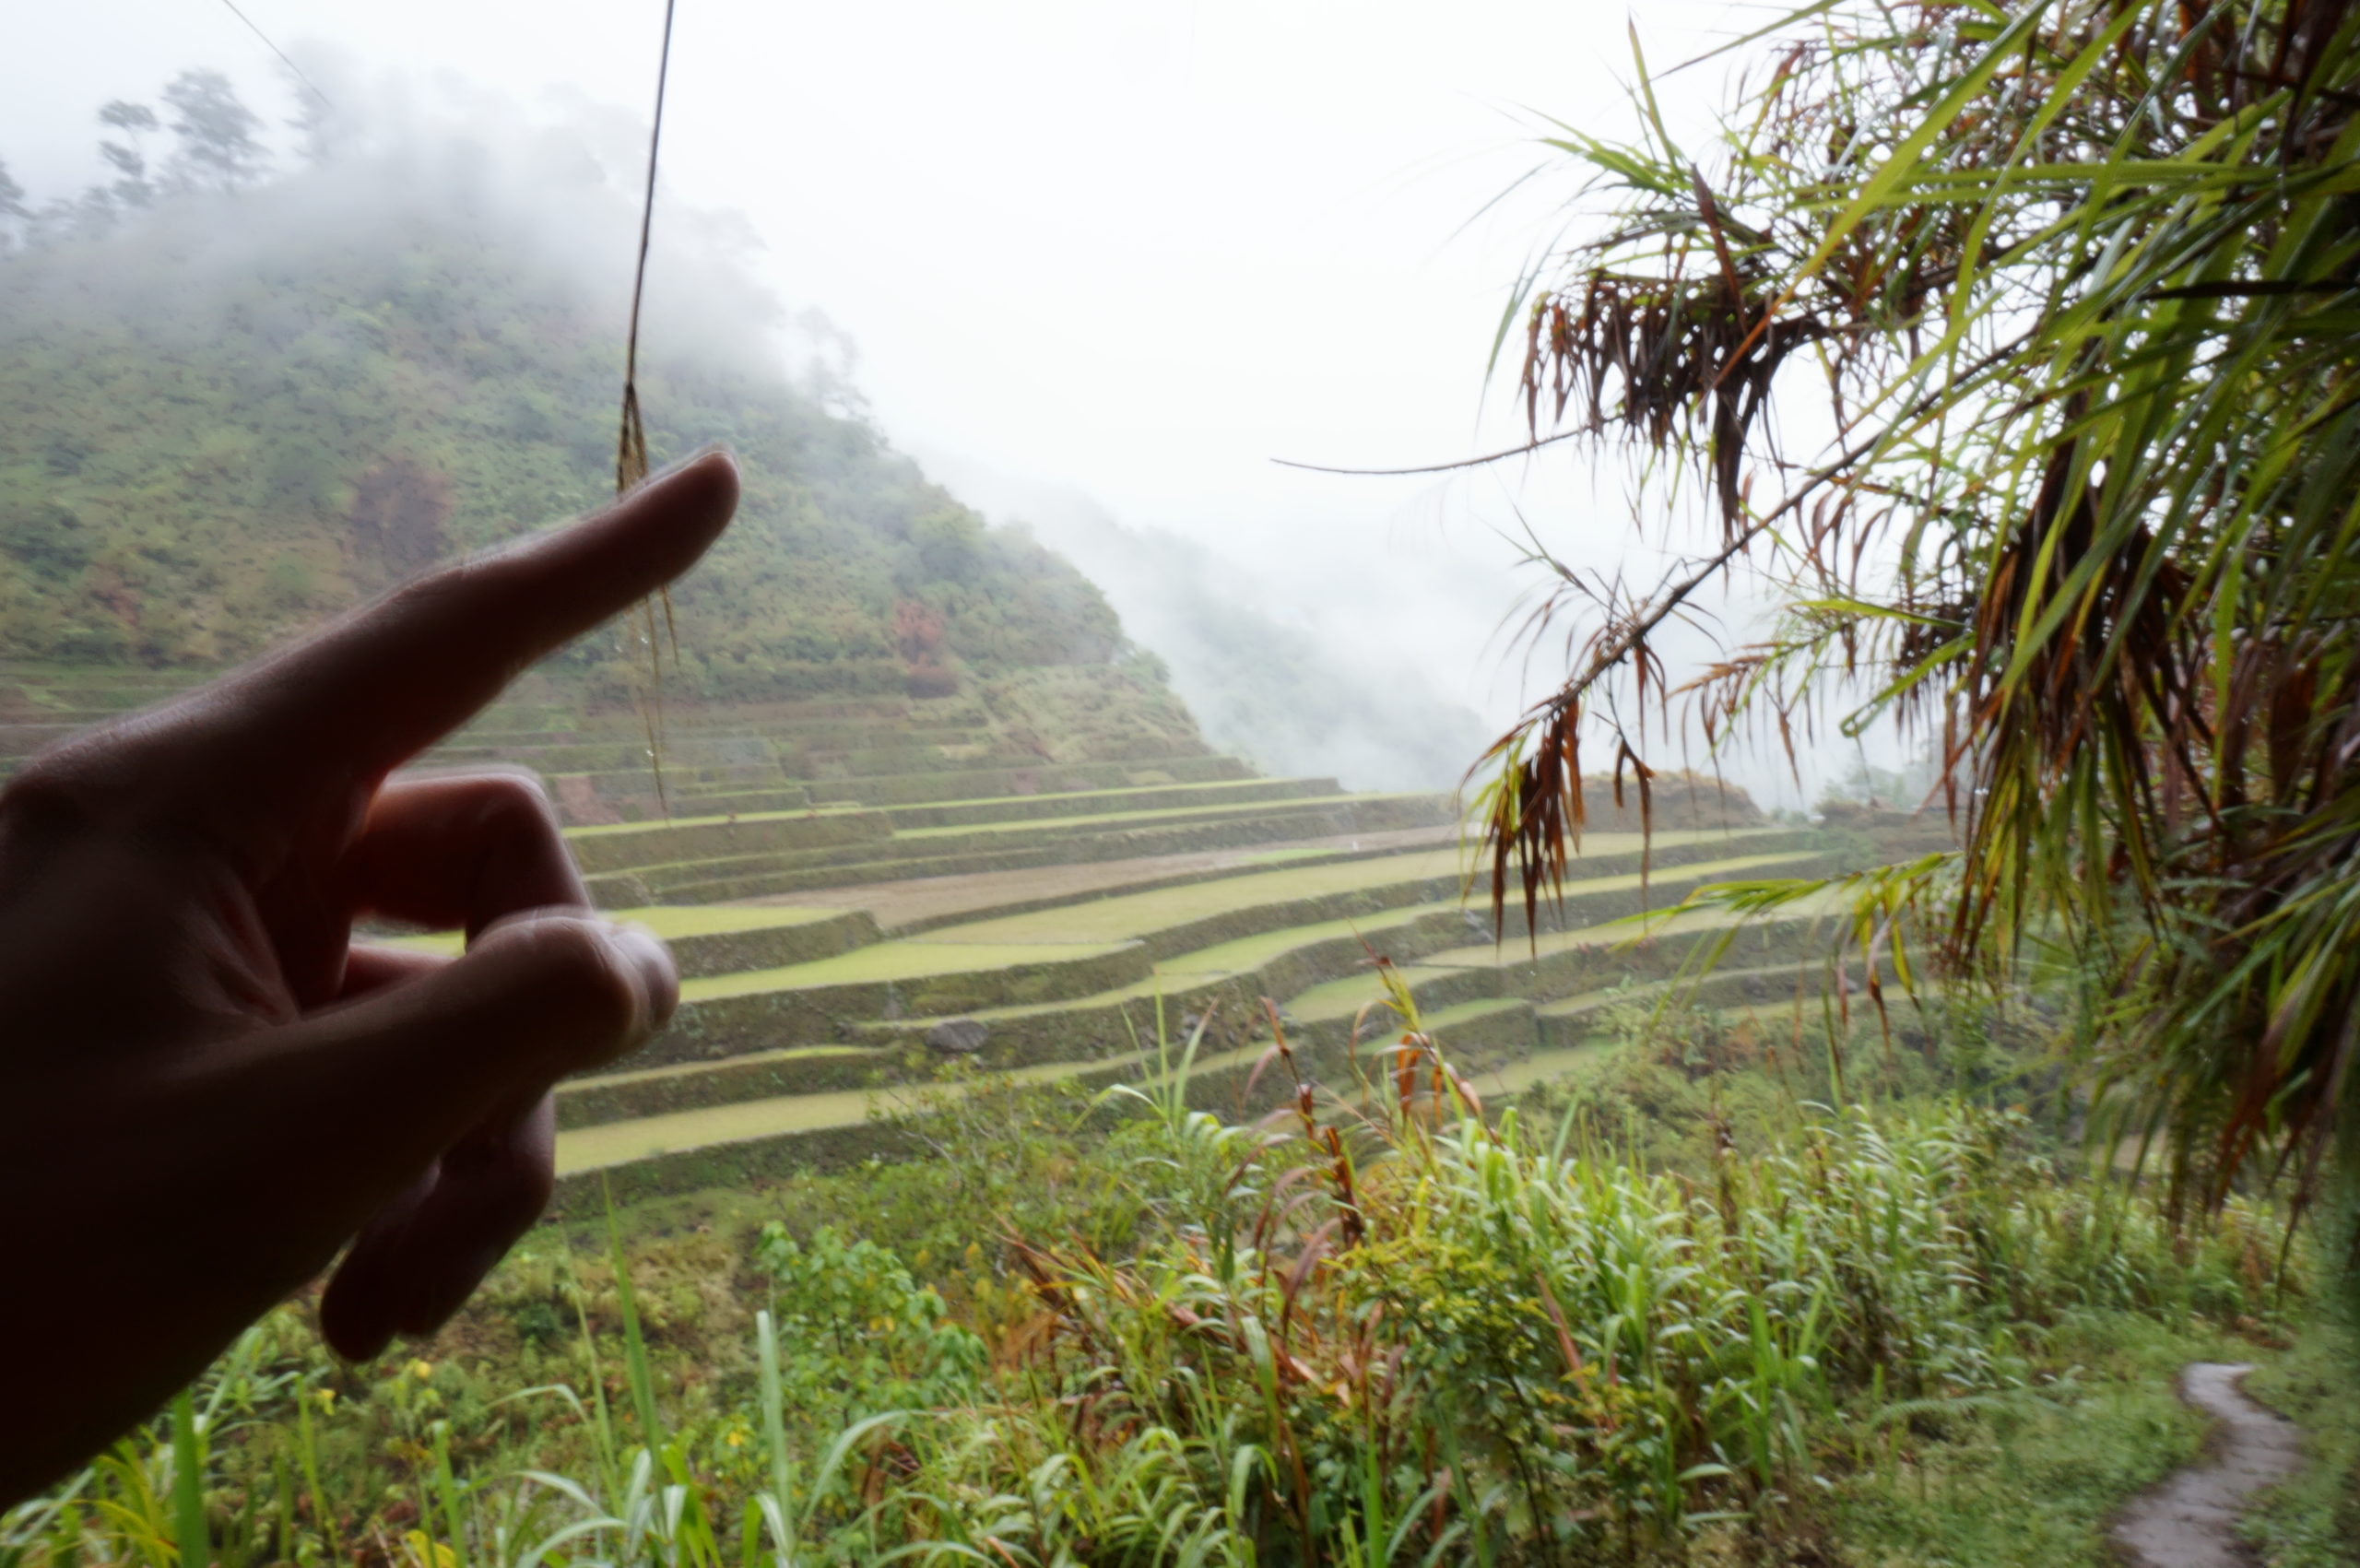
1097, 266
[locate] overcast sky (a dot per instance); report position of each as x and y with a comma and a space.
1135, 251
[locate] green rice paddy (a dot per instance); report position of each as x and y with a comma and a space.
671, 922
892, 961
610, 829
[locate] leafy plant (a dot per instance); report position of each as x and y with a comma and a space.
1402, 1336
860, 1336
2077, 277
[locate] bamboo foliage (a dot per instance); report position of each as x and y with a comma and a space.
2080, 280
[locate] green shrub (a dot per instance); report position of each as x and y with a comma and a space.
858, 1336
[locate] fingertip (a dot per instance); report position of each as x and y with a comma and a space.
715, 466
357, 1310
356, 1333
612, 985
576, 575
414, 1266
702, 491
659, 978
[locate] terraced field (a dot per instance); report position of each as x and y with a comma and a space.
1076, 991
863, 894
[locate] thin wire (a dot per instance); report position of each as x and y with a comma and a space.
280, 52
633, 447
630, 438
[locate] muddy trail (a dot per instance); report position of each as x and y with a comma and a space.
2192, 1520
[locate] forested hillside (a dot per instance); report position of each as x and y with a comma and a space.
228, 408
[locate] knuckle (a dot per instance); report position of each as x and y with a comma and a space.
526, 1184
450, 600
508, 1186
421, 602
51, 794
428, 595
462, 591
519, 1197
581, 972
41, 784
513, 805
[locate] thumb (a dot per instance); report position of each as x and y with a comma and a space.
381, 1086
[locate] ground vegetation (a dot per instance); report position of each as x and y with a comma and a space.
1114, 1329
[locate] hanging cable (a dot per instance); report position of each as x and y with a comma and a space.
310, 86
631, 449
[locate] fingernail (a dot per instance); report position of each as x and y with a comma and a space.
651, 960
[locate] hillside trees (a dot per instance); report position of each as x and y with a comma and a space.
127, 157
218, 151
2078, 281
252, 401
13, 210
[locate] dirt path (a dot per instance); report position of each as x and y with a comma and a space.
2192, 1520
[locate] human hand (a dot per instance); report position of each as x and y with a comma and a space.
207, 1089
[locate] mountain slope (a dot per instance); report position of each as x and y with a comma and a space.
245, 411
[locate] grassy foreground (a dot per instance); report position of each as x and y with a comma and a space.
1388, 1332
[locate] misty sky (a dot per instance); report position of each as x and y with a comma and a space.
1132, 250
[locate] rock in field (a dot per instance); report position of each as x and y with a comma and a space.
959, 1036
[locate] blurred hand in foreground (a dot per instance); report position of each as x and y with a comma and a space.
206, 1088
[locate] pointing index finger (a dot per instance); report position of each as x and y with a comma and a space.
356, 698
376, 689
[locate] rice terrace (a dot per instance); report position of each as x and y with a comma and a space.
1849, 1064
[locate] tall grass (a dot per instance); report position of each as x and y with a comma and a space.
1382, 1332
